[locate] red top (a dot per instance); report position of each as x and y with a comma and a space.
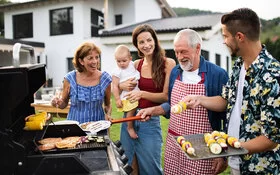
146, 84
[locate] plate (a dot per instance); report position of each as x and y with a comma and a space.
203, 152
95, 126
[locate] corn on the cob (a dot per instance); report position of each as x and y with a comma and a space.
187, 147
35, 121
180, 140
34, 125
207, 136
179, 108
232, 141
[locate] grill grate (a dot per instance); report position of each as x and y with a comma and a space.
79, 147
91, 145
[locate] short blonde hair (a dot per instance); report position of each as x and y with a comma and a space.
122, 49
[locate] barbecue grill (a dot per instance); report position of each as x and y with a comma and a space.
19, 148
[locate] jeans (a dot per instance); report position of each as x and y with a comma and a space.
147, 147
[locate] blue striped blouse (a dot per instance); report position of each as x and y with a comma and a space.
86, 101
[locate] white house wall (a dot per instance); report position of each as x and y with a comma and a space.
83, 15
59, 48
214, 45
126, 8
144, 6
108, 45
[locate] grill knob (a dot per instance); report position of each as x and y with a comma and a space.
127, 168
120, 151
117, 143
124, 159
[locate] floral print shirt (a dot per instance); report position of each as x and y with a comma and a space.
260, 112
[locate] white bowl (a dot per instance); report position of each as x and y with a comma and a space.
47, 97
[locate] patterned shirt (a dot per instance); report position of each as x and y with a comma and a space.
260, 111
86, 101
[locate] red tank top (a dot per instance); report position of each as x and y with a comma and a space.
146, 84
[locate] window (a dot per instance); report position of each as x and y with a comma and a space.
61, 21
134, 55
171, 54
118, 19
70, 65
205, 54
97, 22
168, 53
218, 59
23, 26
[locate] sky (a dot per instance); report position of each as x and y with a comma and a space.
266, 9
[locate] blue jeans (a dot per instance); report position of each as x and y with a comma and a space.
147, 147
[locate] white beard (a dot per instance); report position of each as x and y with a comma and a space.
187, 67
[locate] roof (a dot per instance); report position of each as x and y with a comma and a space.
167, 11
28, 4
167, 25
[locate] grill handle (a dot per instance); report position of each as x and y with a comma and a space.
16, 52
126, 119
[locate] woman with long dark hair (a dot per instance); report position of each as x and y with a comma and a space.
154, 68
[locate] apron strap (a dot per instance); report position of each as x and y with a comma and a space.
178, 77
172, 132
202, 78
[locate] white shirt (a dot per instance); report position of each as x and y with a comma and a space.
234, 122
125, 74
189, 77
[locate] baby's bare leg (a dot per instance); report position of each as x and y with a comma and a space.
130, 128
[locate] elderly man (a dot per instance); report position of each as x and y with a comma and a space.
193, 76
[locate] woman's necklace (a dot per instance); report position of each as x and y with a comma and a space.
88, 80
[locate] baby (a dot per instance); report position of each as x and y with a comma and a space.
125, 71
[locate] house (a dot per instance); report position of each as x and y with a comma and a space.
208, 26
62, 25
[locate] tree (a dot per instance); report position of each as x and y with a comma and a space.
273, 48
276, 51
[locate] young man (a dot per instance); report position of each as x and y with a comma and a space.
251, 96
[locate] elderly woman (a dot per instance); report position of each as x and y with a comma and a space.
87, 87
